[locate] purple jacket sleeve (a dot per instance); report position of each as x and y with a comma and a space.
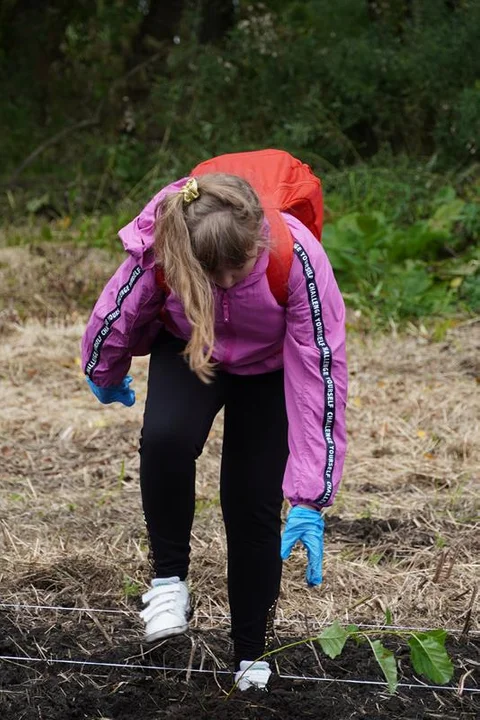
123, 323
126, 317
315, 374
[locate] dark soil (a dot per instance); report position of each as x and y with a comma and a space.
46, 691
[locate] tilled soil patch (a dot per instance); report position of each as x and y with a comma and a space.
62, 691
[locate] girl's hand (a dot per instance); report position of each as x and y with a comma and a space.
305, 524
115, 393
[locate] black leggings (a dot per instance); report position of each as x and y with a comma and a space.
179, 413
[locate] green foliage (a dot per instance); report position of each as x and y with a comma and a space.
429, 657
334, 84
131, 588
428, 268
375, 82
381, 99
386, 659
333, 639
427, 651
101, 230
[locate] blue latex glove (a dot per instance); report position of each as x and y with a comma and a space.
305, 525
115, 393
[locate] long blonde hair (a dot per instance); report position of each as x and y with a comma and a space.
221, 228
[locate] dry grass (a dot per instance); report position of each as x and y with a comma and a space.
403, 533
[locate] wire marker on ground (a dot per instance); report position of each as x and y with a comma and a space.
161, 668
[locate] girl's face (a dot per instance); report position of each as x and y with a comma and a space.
228, 277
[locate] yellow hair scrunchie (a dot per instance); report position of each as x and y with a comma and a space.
190, 191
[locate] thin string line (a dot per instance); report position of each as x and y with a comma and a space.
377, 682
21, 606
125, 666
128, 666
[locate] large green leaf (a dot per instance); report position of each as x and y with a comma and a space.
369, 224
349, 224
386, 659
447, 214
429, 657
332, 639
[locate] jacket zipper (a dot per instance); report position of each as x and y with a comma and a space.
226, 320
226, 309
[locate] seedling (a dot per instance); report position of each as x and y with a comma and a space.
427, 651
131, 587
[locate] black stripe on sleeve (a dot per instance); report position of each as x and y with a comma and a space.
111, 318
328, 421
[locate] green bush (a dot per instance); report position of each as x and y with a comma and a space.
391, 272
334, 83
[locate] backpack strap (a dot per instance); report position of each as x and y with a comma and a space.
281, 256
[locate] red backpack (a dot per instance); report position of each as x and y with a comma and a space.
283, 184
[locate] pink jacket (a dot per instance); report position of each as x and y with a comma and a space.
253, 335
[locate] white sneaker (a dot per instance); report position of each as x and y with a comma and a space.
167, 608
253, 674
